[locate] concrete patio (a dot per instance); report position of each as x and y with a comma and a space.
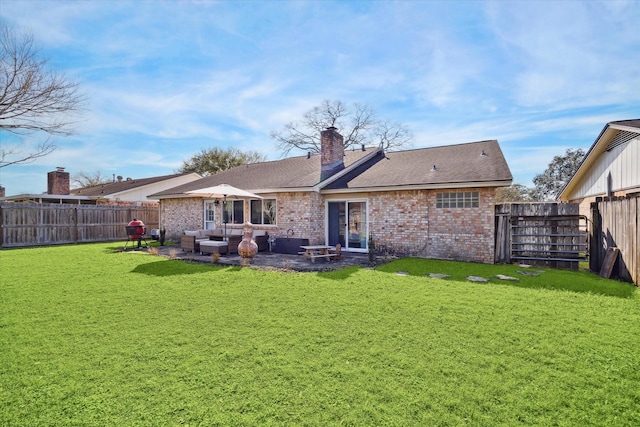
267, 260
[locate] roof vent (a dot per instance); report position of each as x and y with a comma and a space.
363, 147
308, 154
434, 168
483, 153
621, 138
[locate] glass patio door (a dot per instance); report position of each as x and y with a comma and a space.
347, 224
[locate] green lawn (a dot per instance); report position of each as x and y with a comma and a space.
90, 336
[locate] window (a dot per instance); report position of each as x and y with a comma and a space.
209, 215
263, 211
467, 199
233, 212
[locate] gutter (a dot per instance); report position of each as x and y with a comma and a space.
439, 186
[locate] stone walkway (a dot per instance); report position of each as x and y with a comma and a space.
267, 260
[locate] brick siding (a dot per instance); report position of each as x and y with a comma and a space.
403, 223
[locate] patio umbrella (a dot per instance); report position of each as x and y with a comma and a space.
222, 191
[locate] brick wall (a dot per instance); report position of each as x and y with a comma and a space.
465, 234
404, 223
408, 223
303, 213
177, 215
398, 222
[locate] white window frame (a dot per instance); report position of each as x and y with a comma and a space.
275, 204
458, 200
346, 231
209, 214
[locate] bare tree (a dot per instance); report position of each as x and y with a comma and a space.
513, 193
358, 125
89, 179
33, 99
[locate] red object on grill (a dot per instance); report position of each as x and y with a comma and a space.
137, 229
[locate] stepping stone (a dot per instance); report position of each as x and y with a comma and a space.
524, 265
402, 273
438, 275
503, 277
477, 279
527, 273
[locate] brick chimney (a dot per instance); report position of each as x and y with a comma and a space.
58, 182
332, 152
2, 191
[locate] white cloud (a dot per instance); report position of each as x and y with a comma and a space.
166, 79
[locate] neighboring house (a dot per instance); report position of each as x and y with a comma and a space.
135, 190
127, 191
611, 167
433, 202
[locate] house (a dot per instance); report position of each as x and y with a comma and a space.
121, 191
434, 202
611, 167
135, 190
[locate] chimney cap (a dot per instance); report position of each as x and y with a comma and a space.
59, 169
332, 128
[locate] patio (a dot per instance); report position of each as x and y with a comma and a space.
268, 260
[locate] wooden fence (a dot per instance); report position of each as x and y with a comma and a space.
34, 224
614, 224
548, 234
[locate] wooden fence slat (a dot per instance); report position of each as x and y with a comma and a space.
615, 223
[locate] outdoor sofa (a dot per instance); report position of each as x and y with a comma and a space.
190, 241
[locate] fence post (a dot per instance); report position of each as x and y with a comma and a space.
1, 226
75, 225
595, 239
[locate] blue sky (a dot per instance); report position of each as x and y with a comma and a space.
166, 79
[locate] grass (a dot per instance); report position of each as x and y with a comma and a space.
89, 336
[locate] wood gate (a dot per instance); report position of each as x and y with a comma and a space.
547, 234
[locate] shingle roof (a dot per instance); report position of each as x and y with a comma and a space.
290, 173
119, 186
455, 164
635, 123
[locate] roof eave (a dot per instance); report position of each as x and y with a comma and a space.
434, 186
609, 131
255, 191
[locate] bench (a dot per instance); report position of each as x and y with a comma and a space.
327, 256
319, 251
